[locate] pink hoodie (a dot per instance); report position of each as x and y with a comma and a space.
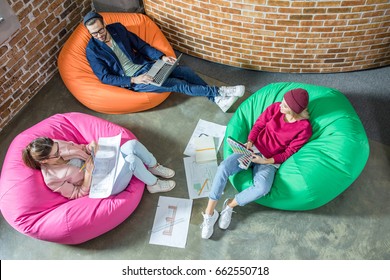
65, 178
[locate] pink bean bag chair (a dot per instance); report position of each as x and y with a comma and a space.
29, 206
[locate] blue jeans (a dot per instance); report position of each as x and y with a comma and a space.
182, 80
263, 177
136, 157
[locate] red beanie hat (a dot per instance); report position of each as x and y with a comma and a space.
297, 99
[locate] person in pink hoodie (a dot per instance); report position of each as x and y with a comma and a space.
62, 165
280, 131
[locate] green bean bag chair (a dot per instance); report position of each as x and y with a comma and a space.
325, 166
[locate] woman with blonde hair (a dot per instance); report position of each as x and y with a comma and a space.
280, 131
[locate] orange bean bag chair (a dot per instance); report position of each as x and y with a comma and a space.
80, 80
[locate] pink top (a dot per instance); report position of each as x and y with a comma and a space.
66, 178
274, 137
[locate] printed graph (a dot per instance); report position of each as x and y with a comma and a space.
170, 227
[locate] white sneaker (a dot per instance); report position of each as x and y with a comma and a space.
208, 224
226, 216
162, 171
232, 91
225, 102
161, 186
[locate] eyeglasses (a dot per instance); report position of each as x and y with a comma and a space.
99, 32
56, 154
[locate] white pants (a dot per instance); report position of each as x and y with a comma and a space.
136, 157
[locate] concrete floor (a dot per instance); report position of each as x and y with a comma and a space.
355, 225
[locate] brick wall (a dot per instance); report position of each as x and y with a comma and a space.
279, 36
28, 58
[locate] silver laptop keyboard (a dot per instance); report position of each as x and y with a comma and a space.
161, 73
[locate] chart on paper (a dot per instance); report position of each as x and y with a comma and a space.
199, 177
170, 227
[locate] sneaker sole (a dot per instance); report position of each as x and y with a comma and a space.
162, 176
227, 109
162, 190
165, 177
221, 227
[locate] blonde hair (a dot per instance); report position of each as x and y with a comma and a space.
302, 115
39, 149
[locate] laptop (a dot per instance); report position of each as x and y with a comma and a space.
161, 70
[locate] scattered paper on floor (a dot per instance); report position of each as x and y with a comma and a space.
209, 129
199, 177
170, 227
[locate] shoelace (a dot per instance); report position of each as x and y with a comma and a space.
226, 210
161, 169
206, 221
164, 185
230, 90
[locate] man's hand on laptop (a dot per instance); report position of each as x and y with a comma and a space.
142, 79
168, 59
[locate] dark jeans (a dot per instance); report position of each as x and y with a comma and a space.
182, 80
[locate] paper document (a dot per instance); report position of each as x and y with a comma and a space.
205, 149
208, 129
108, 164
170, 227
199, 177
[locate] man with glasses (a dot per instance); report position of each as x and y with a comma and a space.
118, 57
